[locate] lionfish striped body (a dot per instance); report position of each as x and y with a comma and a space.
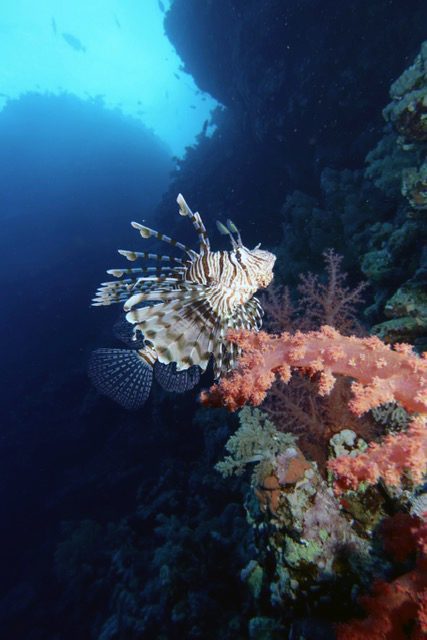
183, 307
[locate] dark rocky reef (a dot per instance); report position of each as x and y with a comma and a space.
303, 84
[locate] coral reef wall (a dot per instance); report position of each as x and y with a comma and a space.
298, 95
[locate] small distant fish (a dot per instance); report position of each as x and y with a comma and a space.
73, 42
179, 313
205, 127
161, 6
176, 76
116, 20
54, 28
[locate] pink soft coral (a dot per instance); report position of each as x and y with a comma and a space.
396, 454
321, 300
331, 302
296, 407
384, 374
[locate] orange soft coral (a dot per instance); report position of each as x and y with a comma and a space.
397, 454
383, 374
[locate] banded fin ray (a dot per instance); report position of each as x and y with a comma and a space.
123, 290
128, 334
145, 255
147, 232
176, 381
182, 293
180, 328
123, 375
247, 316
184, 210
120, 272
166, 374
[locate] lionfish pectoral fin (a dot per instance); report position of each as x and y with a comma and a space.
226, 354
177, 381
180, 328
123, 375
128, 334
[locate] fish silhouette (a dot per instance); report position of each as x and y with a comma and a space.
73, 42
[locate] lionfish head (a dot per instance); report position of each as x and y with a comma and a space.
262, 264
258, 263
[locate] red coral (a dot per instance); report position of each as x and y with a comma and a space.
401, 535
396, 610
393, 609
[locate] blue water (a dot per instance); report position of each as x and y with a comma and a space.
114, 524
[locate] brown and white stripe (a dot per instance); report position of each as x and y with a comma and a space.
185, 309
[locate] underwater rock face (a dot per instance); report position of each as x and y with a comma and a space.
408, 115
398, 163
305, 542
414, 186
407, 310
408, 109
261, 59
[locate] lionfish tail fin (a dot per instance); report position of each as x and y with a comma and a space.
123, 375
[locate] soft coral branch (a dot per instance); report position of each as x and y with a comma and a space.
383, 374
331, 302
398, 453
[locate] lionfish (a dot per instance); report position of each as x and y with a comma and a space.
178, 315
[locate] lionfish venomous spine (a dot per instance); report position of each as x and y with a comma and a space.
178, 312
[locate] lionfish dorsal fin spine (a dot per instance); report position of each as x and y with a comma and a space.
184, 210
120, 272
233, 229
144, 255
225, 231
147, 232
